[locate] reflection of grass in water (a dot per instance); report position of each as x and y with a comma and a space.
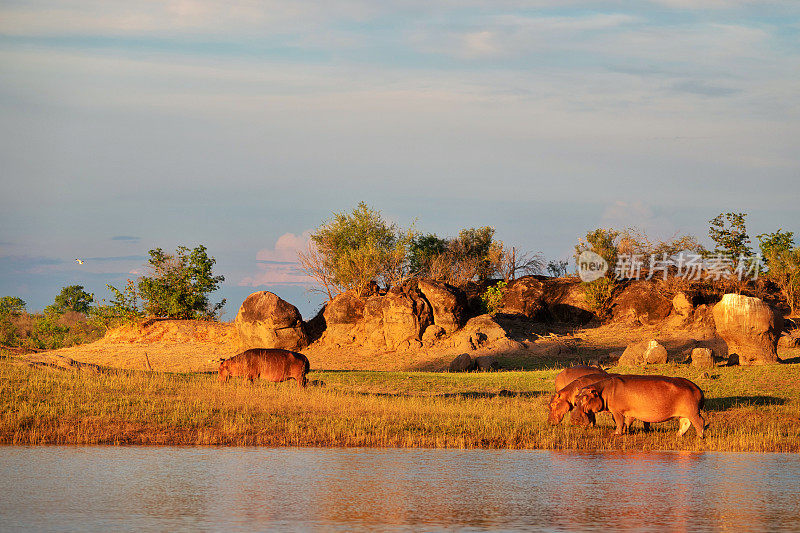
749, 409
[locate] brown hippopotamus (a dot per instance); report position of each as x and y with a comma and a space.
266, 363
645, 398
563, 401
568, 375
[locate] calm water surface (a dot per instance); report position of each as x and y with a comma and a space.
245, 489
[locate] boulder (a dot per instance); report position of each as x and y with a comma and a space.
642, 353
463, 363
448, 304
749, 327
406, 315
682, 305
266, 321
432, 334
487, 363
703, 357
343, 317
524, 296
640, 302
787, 340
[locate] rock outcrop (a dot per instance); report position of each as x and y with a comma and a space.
641, 303
551, 299
703, 357
448, 304
749, 327
266, 321
344, 316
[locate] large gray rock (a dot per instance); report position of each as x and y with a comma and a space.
749, 327
266, 321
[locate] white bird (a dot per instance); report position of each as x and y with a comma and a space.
79, 261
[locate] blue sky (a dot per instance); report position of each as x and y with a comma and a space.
126, 126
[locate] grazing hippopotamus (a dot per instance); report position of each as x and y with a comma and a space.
563, 401
266, 363
568, 375
645, 398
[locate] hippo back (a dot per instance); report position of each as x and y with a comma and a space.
568, 375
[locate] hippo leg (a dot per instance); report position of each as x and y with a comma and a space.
620, 421
685, 423
646, 426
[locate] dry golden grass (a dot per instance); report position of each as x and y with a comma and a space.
749, 409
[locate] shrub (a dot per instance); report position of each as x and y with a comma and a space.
491, 300
599, 294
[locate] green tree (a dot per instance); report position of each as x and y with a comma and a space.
179, 284
776, 243
422, 250
72, 298
729, 233
11, 305
356, 248
603, 242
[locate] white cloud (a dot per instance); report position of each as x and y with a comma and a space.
279, 265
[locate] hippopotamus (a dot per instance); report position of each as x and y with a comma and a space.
266, 363
645, 398
563, 401
568, 375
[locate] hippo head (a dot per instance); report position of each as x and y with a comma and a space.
224, 373
558, 408
587, 403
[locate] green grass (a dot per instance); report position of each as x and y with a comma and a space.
748, 408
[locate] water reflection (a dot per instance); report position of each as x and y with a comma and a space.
101, 488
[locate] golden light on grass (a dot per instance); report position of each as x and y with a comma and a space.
749, 409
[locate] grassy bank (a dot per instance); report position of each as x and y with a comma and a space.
749, 409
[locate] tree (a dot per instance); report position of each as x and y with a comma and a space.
729, 233
11, 305
603, 242
773, 244
72, 298
783, 264
355, 249
179, 284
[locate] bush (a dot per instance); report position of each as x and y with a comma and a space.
599, 294
603, 242
491, 300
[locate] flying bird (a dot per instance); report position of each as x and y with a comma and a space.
79, 261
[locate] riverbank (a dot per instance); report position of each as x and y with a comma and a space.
748, 409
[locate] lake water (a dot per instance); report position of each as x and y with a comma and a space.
243, 489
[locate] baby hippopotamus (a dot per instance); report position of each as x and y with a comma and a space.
272, 364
